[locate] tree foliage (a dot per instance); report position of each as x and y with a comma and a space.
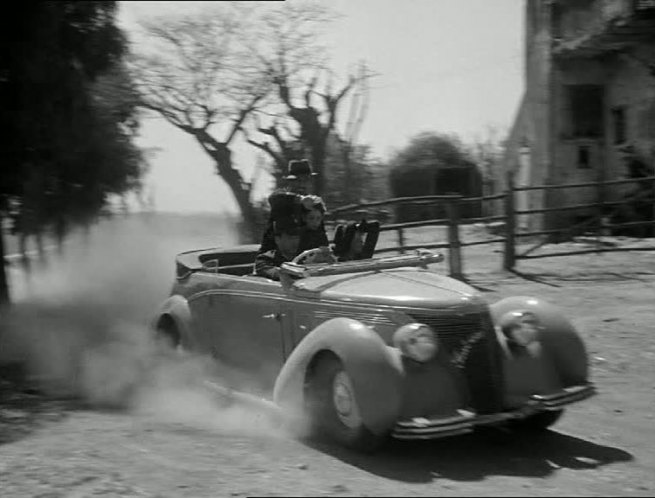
69, 115
432, 164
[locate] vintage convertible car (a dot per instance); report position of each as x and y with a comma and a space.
376, 348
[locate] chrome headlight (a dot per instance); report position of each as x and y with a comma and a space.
520, 327
416, 341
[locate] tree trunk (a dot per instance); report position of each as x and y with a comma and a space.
315, 138
318, 162
222, 156
39, 244
4, 284
22, 246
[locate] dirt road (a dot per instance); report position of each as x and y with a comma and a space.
603, 446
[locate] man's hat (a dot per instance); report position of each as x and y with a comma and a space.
299, 167
286, 224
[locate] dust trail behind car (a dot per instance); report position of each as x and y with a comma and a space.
80, 322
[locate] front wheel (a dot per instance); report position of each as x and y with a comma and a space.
537, 422
333, 407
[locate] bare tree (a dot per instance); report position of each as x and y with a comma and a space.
232, 72
197, 78
287, 45
358, 109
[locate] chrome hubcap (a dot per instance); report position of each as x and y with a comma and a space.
344, 400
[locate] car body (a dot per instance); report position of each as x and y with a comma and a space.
334, 342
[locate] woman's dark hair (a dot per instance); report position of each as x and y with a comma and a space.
309, 202
284, 205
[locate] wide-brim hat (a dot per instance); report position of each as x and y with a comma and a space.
299, 167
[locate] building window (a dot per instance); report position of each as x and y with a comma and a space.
586, 110
619, 124
556, 20
584, 157
644, 5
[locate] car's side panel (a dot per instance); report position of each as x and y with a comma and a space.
557, 360
375, 369
242, 318
309, 314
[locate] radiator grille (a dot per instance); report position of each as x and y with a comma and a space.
471, 342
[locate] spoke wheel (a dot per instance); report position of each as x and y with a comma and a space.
333, 408
345, 404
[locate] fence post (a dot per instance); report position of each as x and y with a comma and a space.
401, 240
454, 246
652, 224
510, 226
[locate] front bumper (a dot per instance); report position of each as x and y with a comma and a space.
465, 421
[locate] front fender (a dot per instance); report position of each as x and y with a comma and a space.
177, 308
375, 369
557, 360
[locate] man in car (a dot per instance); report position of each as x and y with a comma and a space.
299, 182
286, 233
300, 177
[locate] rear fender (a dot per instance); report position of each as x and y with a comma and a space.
177, 308
375, 369
557, 360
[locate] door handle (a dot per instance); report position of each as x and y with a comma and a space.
274, 316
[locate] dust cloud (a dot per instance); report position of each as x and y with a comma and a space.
80, 323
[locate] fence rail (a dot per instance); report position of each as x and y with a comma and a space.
581, 185
453, 221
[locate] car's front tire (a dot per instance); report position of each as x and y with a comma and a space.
333, 407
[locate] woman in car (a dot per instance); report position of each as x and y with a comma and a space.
313, 233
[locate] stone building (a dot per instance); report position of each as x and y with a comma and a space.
590, 91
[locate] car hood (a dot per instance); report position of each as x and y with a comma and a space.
409, 287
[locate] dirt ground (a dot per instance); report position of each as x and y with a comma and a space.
58, 446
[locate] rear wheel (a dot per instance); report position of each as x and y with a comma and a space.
333, 407
167, 335
537, 422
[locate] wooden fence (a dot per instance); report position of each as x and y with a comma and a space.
452, 204
598, 222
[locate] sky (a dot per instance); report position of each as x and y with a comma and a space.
452, 66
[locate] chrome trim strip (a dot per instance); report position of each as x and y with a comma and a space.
364, 316
339, 306
433, 430
434, 435
466, 308
435, 422
422, 428
570, 395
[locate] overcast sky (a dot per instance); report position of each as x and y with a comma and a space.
444, 65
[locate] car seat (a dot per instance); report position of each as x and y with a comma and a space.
344, 234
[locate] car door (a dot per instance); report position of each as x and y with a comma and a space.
244, 325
